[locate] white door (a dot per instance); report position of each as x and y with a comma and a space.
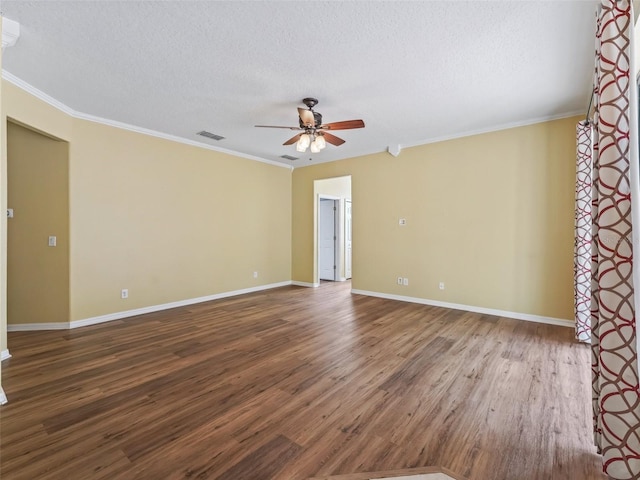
327, 239
347, 239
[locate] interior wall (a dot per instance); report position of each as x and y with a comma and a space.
336, 187
166, 221
169, 221
489, 215
38, 193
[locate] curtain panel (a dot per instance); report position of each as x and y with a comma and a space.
607, 223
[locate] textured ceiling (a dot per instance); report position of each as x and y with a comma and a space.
413, 71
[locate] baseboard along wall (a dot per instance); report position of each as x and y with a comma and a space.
470, 308
165, 306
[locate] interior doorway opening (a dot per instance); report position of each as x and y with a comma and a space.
333, 231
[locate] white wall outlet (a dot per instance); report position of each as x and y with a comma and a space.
405, 282
255, 274
441, 285
402, 222
52, 241
124, 293
9, 212
399, 280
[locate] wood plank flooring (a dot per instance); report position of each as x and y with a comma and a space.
293, 383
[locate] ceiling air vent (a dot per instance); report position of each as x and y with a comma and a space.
213, 136
288, 157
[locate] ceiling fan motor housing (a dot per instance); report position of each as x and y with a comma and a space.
316, 117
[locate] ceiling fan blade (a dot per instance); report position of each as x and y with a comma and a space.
274, 126
346, 125
292, 140
306, 116
332, 139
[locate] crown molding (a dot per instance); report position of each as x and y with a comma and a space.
10, 32
494, 128
40, 95
396, 149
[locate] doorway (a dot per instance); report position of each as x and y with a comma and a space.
332, 229
37, 228
327, 238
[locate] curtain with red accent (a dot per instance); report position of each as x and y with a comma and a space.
607, 229
583, 231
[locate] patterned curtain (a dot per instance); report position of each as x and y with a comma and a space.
607, 193
583, 229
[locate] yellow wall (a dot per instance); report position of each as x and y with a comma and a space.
37, 274
165, 220
489, 215
170, 221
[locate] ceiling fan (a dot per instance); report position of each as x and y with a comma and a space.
314, 132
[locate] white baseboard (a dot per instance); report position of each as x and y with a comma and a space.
29, 327
305, 284
4, 354
138, 311
470, 308
3, 397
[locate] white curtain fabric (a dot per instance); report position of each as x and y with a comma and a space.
583, 229
613, 209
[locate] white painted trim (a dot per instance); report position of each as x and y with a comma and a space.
3, 397
4, 354
494, 128
468, 133
39, 94
31, 327
10, 32
305, 284
139, 311
470, 308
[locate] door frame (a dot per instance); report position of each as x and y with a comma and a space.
337, 203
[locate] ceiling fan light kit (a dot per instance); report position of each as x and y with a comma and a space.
315, 136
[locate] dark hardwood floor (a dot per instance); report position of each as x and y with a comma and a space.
294, 383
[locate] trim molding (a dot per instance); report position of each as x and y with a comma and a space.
3, 397
305, 284
138, 311
40, 95
494, 128
4, 354
30, 327
468, 133
470, 308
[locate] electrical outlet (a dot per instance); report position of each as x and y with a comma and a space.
255, 274
399, 280
405, 282
441, 286
124, 293
402, 222
52, 241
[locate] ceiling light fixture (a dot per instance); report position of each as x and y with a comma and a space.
305, 142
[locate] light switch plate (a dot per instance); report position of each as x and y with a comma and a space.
52, 241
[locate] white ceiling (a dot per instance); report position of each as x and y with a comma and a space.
414, 71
